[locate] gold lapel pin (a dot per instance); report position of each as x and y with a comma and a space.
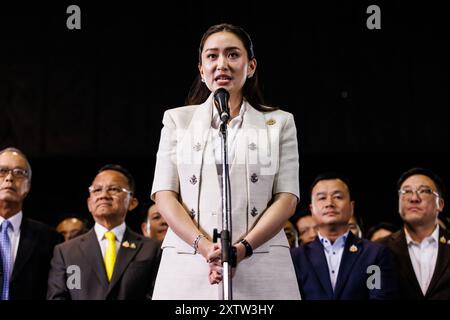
126, 244
353, 248
448, 241
132, 246
270, 122
443, 240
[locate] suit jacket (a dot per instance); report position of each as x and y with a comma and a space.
265, 163
439, 288
133, 275
351, 284
30, 272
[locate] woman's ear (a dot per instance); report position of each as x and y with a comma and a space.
251, 68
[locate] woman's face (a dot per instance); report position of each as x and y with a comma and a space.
225, 64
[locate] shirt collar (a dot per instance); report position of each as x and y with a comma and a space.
340, 241
16, 221
433, 237
118, 231
215, 120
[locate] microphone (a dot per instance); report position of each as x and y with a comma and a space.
221, 97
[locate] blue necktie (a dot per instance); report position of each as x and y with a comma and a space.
5, 250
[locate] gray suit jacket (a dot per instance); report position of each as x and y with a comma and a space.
133, 276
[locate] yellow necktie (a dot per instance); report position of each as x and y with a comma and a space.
110, 254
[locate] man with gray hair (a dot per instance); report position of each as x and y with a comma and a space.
26, 246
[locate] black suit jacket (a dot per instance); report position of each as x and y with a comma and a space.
439, 288
314, 279
134, 271
30, 271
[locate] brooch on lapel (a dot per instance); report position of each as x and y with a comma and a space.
443, 240
353, 248
126, 244
270, 122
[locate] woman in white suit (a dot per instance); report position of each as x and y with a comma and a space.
263, 159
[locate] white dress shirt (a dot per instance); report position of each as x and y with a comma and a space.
14, 235
232, 133
333, 253
423, 257
100, 232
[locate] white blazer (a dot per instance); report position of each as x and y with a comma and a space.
266, 163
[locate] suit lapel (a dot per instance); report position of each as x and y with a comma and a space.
90, 248
195, 154
317, 258
348, 260
124, 257
442, 262
407, 268
28, 240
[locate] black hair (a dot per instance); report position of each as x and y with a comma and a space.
86, 223
331, 176
143, 211
378, 226
252, 92
122, 170
424, 172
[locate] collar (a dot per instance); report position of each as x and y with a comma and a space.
433, 237
118, 231
340, 241
16, 221
215, 122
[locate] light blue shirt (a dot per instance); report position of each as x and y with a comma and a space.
14, 235
333, 253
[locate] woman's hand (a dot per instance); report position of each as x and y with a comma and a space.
213, 258
215, 274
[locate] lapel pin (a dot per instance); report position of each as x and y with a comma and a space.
448, 241
443, 240
270, 122
132, 245
126, 244
353, 248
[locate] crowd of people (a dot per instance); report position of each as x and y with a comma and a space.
322, 256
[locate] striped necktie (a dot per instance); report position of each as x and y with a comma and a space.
5, 252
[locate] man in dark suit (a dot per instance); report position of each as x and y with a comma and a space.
338, 265
26, 246
110, 261
421, 247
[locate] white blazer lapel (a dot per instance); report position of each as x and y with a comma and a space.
195, 155
257, 145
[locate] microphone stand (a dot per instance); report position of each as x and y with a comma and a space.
228, 255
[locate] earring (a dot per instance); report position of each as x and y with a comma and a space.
203, 80
249, 76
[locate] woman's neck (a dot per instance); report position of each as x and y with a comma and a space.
235, 105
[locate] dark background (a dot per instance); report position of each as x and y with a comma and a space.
369, 103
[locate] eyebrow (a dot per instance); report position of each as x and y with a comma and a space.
333, 193
420, 186
226, 49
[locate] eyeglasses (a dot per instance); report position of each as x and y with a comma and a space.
16, 172
111, 190
422, 193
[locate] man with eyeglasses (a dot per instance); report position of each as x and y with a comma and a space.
26, 245
109, 262
421, 247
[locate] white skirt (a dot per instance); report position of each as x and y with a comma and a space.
263, 276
